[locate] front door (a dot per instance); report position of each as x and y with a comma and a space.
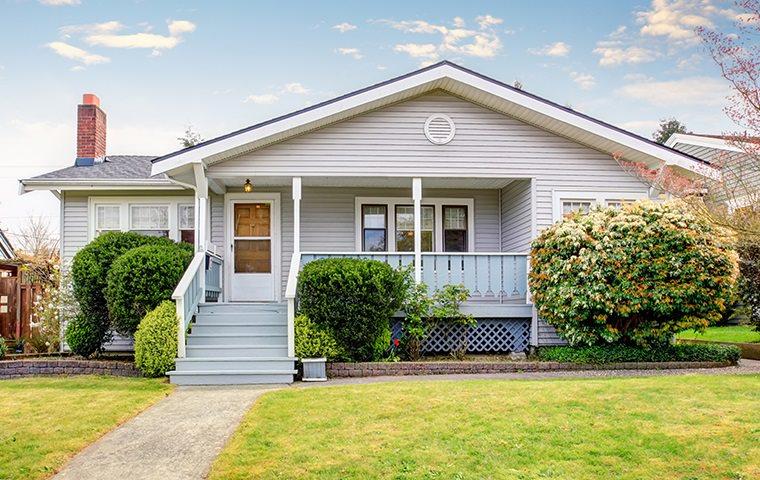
252, 248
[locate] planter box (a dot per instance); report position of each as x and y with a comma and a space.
314, 369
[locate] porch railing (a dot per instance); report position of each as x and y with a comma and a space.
202, 280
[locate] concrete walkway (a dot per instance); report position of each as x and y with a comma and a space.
178, 438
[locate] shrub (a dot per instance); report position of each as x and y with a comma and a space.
156, 341
140, 279
315, 341
89, 271
355, 299
598, 354
749, 285
86, 335
636, 275
3, 348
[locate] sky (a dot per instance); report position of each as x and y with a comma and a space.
161, 66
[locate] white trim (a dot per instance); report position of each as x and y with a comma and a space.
700, 141
276, 236
29, 185
596, 198
416, 84
437, 204
125, 203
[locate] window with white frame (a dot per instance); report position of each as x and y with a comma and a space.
186, 216
107, 218
172, 217
386, 224
567, 203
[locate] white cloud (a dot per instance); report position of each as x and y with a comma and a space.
691, 91
77, 54
642, 127
557, 49
152, 41
637, 77
613, 53
456, 39
417, 50
91, 28
59, 3
584, 80
344, 27
264, 99
675, 20
354, 53
296, 88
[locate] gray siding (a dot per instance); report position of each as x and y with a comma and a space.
75, 234
516, 218
390, 142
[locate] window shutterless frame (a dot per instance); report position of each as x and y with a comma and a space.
374, 229
423, 229
465, 232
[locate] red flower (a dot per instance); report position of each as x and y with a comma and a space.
395, 342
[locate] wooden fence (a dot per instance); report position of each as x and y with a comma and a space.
16, 307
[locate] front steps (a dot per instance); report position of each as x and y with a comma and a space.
235, 344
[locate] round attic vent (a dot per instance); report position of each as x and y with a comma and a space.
439, 129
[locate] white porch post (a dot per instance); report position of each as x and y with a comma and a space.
417, 197
296, 214
201, 218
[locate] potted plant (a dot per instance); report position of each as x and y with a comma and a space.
314, 345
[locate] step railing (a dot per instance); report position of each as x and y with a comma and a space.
202, 279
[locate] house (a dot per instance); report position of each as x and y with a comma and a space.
443, 168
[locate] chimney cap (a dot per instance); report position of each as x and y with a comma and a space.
90, 99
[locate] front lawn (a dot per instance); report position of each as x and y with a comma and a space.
736, 333
45, 421
683, 427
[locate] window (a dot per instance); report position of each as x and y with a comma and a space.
186, 215
454, 228
617, 203
150, 220
374, 228
405, 228
107, 218
571, 206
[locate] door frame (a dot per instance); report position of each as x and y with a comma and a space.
240, 197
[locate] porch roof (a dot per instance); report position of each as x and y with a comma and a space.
458, 81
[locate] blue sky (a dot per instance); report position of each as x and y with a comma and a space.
159, 66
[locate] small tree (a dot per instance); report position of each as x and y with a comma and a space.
190, 138
636, 275
668, 126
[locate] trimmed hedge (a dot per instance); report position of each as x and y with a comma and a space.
315, 341
624, 353
354, 299
156, 341
635, 275
142, 278
749, 286
85, 335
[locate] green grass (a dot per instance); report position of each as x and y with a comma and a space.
690, 427
45, 421
738, 333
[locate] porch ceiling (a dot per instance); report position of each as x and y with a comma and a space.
369, 182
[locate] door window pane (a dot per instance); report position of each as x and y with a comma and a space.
107, 217
455, 229
150, 220
252, 219
253, 256
405, 228
374, 230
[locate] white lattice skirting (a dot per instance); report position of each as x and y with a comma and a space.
489, 335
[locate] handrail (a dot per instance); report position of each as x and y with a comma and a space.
506, 254
291, 289
187, 295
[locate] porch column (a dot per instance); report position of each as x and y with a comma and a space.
417, 197
296, 214
201, 207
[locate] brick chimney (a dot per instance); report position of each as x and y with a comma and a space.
91, 131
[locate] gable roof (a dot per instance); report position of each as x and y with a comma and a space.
115, 170
457, 80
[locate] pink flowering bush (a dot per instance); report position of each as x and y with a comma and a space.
636, 275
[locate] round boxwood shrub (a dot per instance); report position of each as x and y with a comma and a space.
85, 335
355, 299
635, 275
315, 341
156, 341
140, 279
89, 274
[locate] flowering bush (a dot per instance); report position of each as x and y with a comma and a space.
55, 306
635, 275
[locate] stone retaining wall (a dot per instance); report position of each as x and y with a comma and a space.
376, 369
59, 366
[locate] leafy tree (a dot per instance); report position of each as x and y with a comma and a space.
190, 138
668, 126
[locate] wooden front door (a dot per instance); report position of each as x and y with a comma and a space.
252, 250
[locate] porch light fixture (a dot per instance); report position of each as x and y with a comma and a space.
247, 186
